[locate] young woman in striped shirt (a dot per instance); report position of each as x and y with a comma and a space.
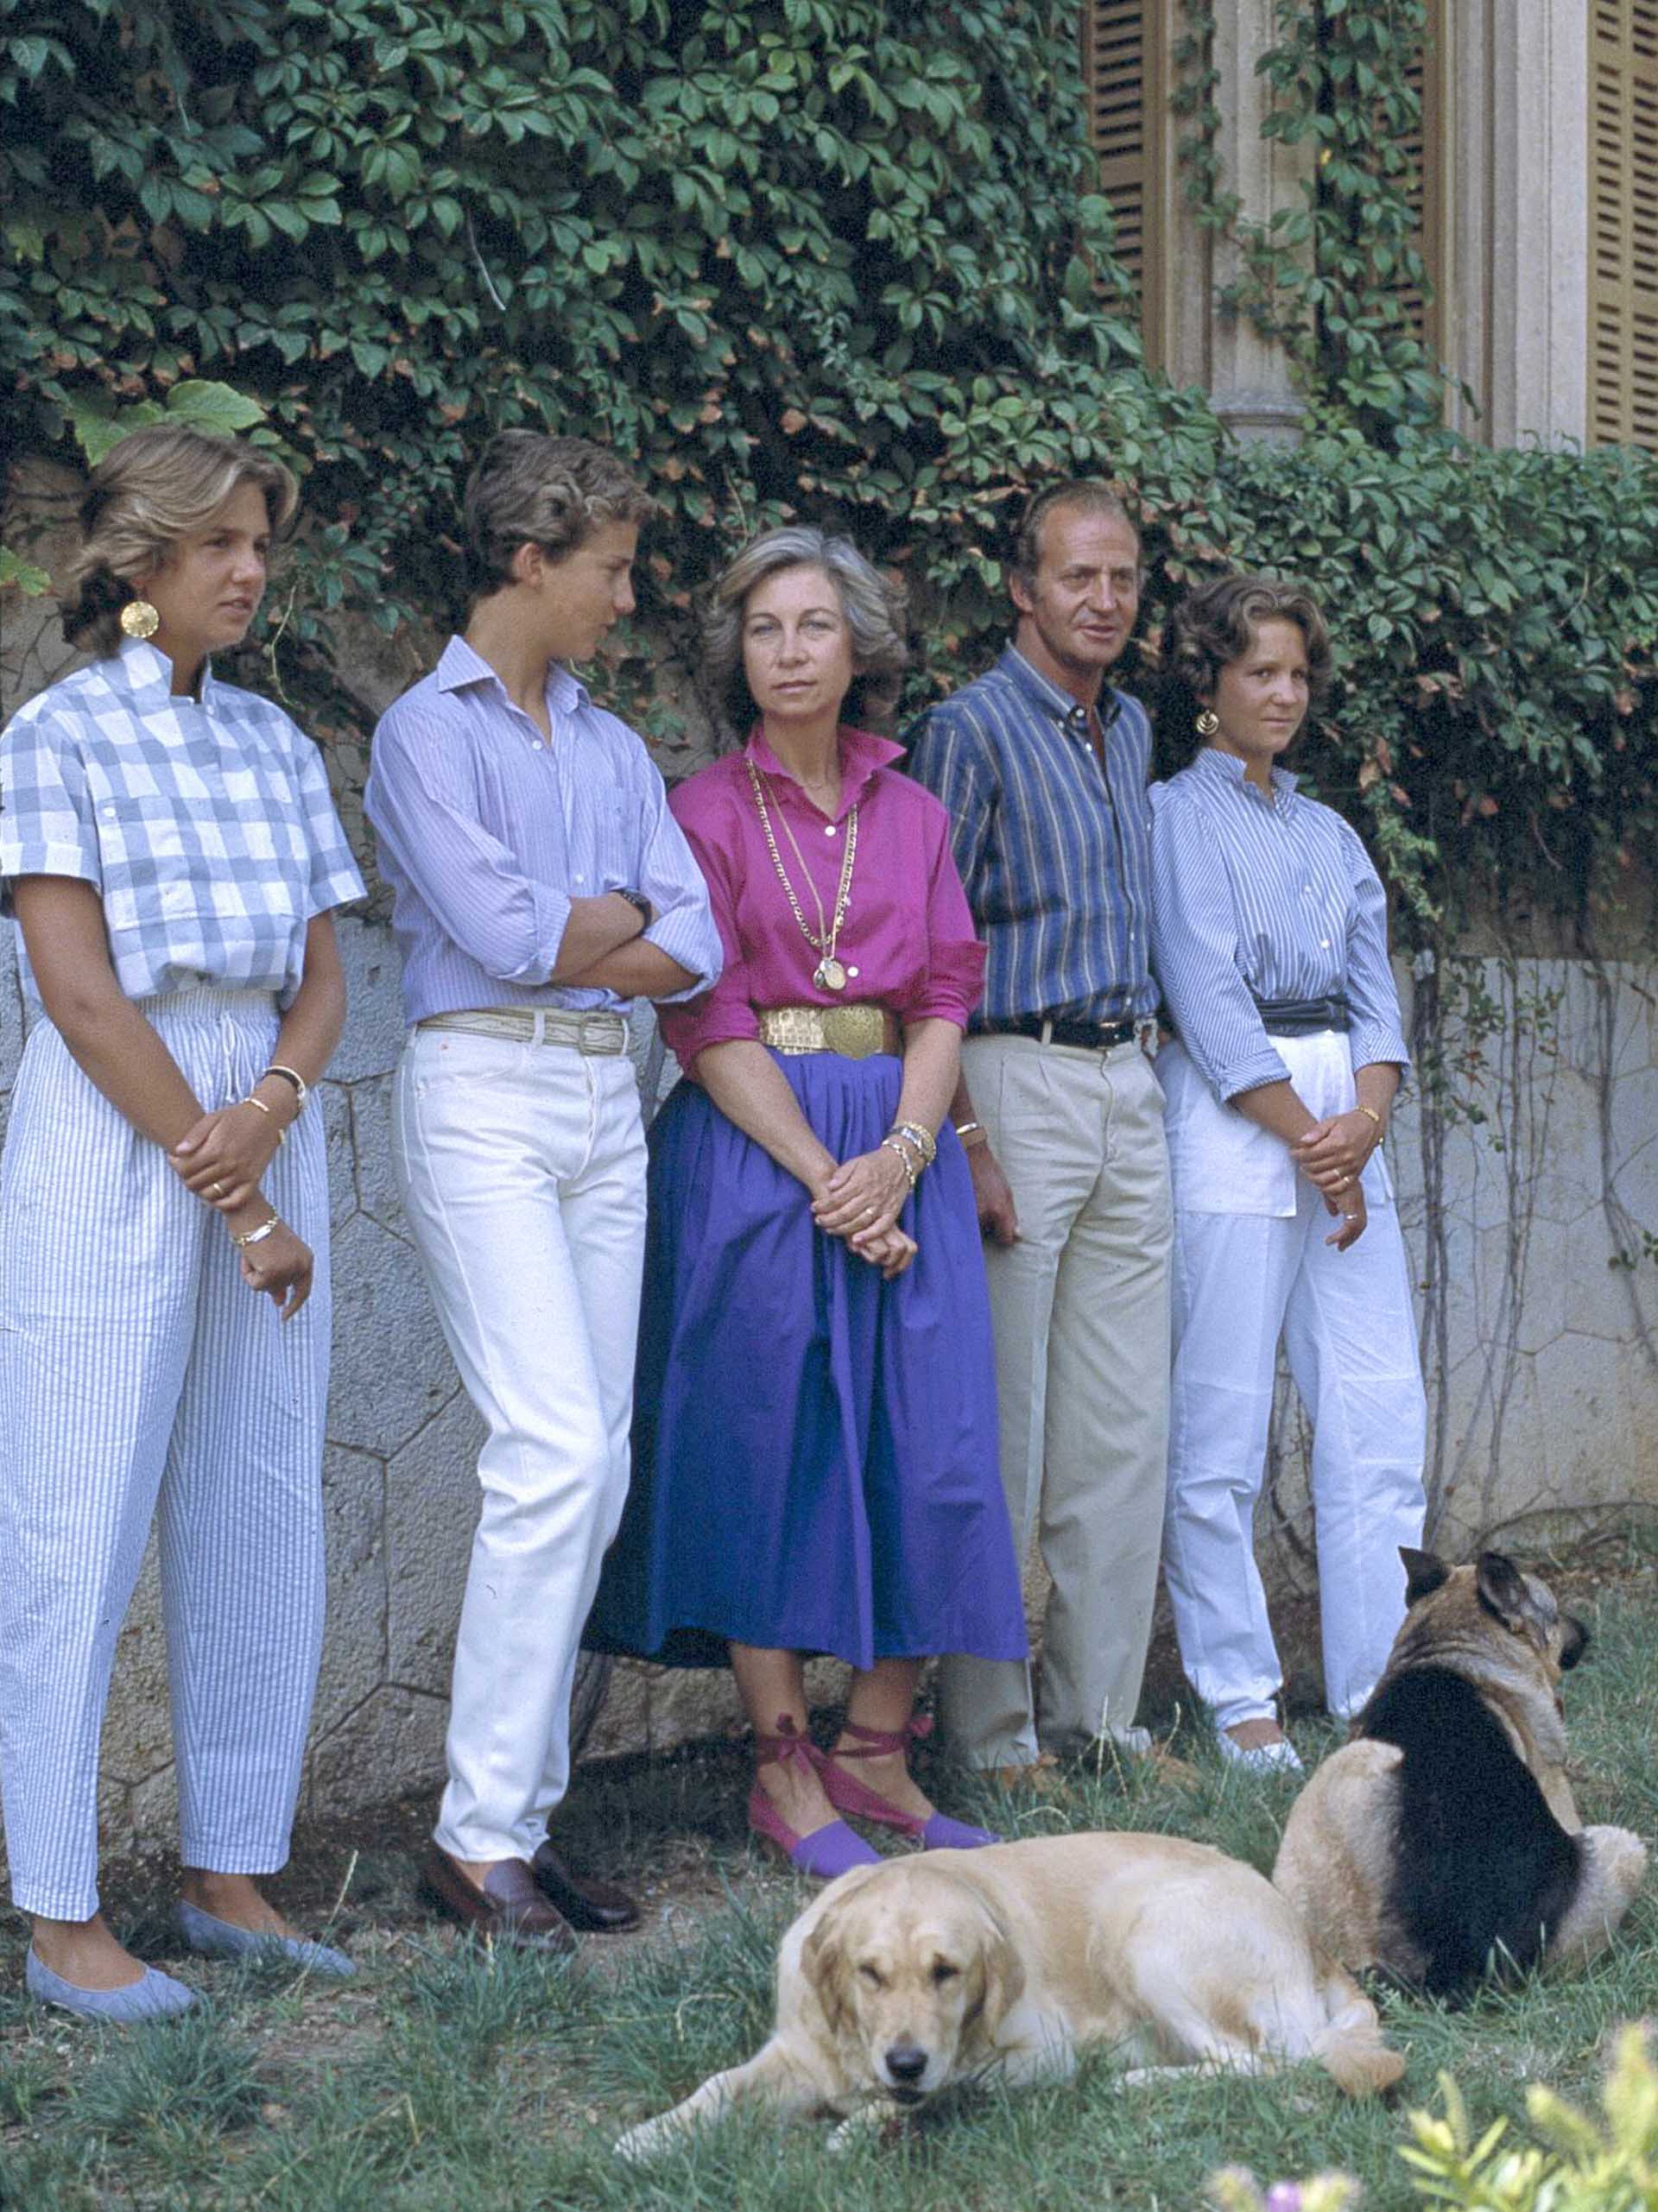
1270, 941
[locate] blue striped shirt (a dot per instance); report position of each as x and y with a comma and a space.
1258, 898
486, 832
1053, 853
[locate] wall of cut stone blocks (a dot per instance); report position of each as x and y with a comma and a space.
1548, 1390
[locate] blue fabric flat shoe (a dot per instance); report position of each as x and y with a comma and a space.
154, 1996
205, 1932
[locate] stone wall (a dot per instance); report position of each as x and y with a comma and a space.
1543, 1374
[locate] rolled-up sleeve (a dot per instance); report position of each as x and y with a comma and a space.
1378, 1032
425, 814
1194, 953
47, 826
955, 972
684, 927
945, 753
724, 1014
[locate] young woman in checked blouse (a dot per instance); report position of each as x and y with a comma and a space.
170, 852
1269, 940
814, 1432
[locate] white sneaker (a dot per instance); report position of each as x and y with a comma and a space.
1259, 1758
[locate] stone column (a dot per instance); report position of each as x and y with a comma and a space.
1540, 219
1247, 376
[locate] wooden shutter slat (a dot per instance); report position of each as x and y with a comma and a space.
1623, 223
1121, 80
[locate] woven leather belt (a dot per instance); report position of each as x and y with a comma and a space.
597, 1035
1087, 1036
853, 1031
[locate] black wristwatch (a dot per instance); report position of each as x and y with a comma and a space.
637, 899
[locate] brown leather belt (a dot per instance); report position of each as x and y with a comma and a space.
855, 1031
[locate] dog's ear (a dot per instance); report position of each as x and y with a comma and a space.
1425, 1572
1503, 1590
823, 1961
1004, 1977
1574, 1640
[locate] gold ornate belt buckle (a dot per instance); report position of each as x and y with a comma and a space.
855, 1032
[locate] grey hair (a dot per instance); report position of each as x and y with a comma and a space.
873, 604
146, 496
1079, 496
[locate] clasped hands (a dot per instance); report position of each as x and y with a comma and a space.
860, 1201
222, 1160
1333, 1155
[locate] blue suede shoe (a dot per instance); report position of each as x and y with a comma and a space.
154, 1996
205, 1932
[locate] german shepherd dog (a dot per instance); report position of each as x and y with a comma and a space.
1442, 1841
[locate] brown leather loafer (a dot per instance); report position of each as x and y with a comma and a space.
596, 1907
509, 1909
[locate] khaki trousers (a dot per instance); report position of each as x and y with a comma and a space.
1080, 1306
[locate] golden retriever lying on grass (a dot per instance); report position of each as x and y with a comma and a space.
1003, 1963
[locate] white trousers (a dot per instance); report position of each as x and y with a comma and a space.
1080, 1307
1240, 1281
138, 1368
522, 1172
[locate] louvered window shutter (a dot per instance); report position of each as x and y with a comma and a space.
1623, 223
1122, 75
1424, 149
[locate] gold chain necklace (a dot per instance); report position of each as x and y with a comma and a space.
829, 975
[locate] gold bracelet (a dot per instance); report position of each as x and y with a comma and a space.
972, 1134
926, 1144
896, 1146
281, 1133
256, 1236
1381, 1125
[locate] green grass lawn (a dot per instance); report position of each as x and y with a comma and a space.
444, 2079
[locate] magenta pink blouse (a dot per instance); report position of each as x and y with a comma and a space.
907, 940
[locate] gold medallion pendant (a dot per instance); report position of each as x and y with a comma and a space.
829, 975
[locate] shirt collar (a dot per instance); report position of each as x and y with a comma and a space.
861, 754
1226, 769
1053, 699
460, 664
148, 674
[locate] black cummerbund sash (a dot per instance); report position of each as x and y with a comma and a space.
1302, 1017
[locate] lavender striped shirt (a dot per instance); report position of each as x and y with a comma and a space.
486, 832
1261, 899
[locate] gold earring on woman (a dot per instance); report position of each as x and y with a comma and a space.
139, 619
1208, 723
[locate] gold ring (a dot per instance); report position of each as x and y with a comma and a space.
218, 1190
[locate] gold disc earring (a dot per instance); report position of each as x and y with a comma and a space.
139, 619
1208, 723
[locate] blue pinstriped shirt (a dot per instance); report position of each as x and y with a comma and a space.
1263, 898
1055, 855
487, 830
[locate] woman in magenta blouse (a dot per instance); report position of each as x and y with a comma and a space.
814, 1436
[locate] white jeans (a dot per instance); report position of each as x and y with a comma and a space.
1241, 1280
522, 1171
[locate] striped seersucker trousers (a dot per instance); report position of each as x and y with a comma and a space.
138, 1368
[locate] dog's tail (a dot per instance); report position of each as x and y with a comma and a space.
1351, 2052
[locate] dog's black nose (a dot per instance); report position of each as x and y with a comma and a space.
905, 2062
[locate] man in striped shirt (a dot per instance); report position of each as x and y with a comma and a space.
1044, 767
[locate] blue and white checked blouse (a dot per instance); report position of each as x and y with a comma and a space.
207, 826
486, 832
1263, 898
1054, 855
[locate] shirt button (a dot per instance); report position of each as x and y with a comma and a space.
828, 829
536, 745
1324, 945
581, 878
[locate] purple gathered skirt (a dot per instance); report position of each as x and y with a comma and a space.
814, 1448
